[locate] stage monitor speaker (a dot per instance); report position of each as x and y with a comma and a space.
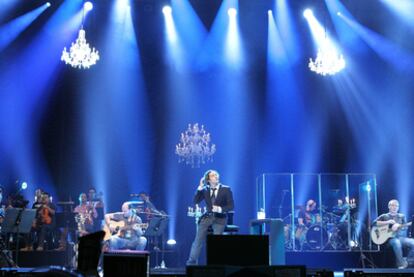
237, 250
378, 272
126, 263
248, 271
319, 273
89, 251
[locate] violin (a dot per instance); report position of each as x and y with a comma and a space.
45, 216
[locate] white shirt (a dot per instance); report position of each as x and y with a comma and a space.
215, 191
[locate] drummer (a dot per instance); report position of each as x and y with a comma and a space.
309, 215
306, 217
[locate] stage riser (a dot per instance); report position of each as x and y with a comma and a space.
241, 271
42, 258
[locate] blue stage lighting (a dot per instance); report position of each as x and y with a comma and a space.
24, 186
166, 10
269, 12
232, 12
307, 13
171, 242
338, 13
48, 4
88, 6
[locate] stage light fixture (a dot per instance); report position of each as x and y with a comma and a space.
269, 12
339, 13
88, 6
166, 10
24, 186
307, 13
171, 242
232, 12
48, 4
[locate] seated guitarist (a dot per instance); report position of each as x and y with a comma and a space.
129, 236
396, 221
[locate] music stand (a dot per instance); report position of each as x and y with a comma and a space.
156, 228
18, 221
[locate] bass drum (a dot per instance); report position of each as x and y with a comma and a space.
316, 237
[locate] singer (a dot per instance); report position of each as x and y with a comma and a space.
219, 200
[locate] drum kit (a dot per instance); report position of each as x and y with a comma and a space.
329, 234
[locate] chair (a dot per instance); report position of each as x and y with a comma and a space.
230, 227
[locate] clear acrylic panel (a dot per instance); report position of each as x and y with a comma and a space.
321, 212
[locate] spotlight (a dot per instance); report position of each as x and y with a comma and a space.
339, 13
171, 242
88, 6
307, 13
166, 10
24, 186
269, 12
232, 12
48, 4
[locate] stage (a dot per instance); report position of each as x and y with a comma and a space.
337, 262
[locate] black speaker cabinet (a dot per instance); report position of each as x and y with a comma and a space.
126, 263
248, 271
377, 272
237, 250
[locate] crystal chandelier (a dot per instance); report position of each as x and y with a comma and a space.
80, 54
194, 147
327, 62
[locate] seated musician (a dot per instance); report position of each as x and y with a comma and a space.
306, 218
44, 223
129, 235
95, 200
37, 199
309, 215
86, 214
397, 223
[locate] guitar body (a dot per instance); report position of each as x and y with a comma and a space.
380, 234
116, 226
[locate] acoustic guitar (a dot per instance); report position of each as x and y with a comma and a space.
118, 227
380, 234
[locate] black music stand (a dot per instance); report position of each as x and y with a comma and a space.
18, 221
156, 229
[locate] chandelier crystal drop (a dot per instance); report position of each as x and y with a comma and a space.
327, 62
195, 146
80, 55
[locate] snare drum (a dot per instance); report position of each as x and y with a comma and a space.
316, 237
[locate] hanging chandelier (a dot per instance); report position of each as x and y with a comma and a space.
80, 54
194, 147
327, 62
